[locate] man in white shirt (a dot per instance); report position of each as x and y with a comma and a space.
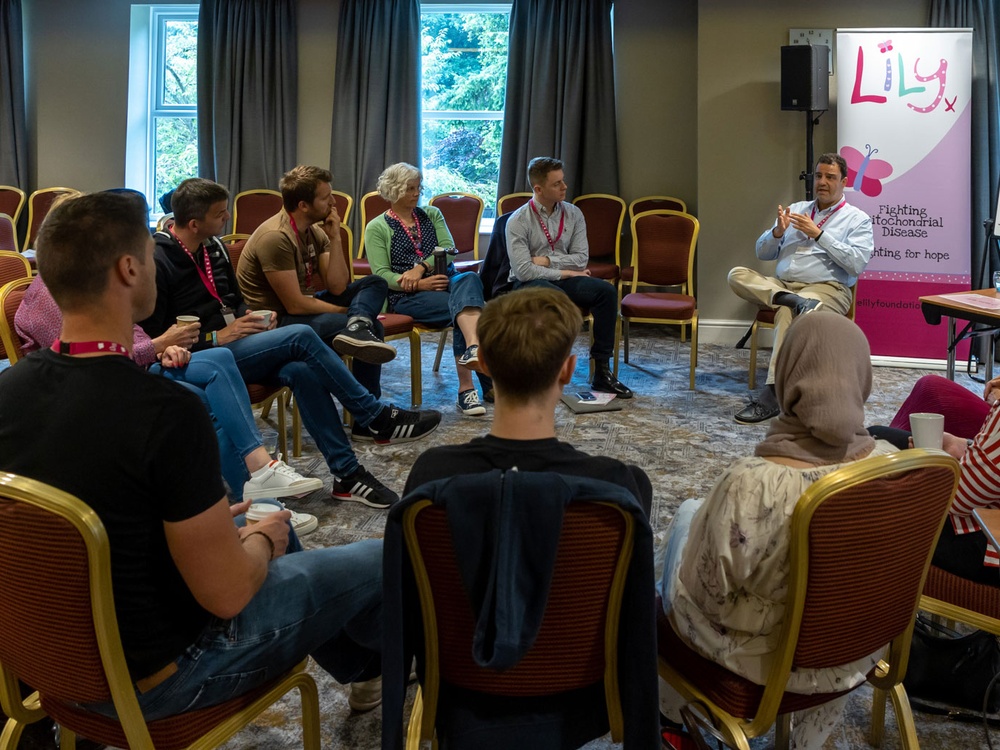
821, 246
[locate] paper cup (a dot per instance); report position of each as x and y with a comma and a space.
259, 511
928, 430
265, 314
187, 320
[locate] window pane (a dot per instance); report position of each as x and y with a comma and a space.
180, 52
464, 68
176, 150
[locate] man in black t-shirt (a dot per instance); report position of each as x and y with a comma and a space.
526, 340
196, 598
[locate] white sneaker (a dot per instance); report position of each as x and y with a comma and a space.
303, 523
365, 695
278, 479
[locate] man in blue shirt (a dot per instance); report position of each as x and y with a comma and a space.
821, 246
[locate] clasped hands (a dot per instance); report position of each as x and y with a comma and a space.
415, 281
799, 221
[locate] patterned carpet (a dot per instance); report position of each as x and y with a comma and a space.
681, 438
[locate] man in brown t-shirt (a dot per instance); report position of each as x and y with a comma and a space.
294, 264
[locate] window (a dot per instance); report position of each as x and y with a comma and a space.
162, 138
464, 61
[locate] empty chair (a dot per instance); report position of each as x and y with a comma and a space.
462, 212
653, 202
663, 247
252, 207
12, 200
604, 215
39, 204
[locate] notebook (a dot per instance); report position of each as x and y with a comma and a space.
581, 400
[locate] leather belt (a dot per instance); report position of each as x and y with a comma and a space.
148, 683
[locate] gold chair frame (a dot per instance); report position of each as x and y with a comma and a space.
31, 231
343, 200
11, 341
503, 200
236, 203
441, 198
22, 199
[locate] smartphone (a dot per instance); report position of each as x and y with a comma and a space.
586, 396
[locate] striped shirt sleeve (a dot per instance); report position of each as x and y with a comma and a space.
979, 486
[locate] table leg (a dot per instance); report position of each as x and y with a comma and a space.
951, 349
989, 357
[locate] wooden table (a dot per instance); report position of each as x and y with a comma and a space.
983, 308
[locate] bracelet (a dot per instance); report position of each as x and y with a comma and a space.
269, 542
969, 442
819, 235
215, 342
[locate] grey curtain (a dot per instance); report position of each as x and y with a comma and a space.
561, 94
983, 17
247, 91
13, 124
376, 97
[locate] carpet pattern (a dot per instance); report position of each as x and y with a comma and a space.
683, 439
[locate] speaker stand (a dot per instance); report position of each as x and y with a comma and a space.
807, 175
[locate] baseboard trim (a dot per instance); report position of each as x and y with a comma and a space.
727, 332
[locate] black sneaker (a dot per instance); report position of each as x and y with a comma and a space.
756, 412
363, 487
395, 425
361, 434
359, 341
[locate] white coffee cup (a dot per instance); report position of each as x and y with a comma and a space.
259, 511
928, 430
187, 320
265, 314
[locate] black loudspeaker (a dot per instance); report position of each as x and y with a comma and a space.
805, 85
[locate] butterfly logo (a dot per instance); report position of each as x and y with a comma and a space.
863, 172
885, 46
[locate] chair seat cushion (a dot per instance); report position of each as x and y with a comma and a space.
765, 316
627, 273
394, 323
601, 270
260, 393
735, 694
361, 267
658, 305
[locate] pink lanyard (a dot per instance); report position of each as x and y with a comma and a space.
89, 347
418, 241
824, 219
562, 225
206, 275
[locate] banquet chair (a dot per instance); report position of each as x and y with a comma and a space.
511, 202
765, 319
39, 204
604, 215
372, 204
344, 204
251, 208
13, 266
165, 222
837, 534
264, 396
11, 295
8, 234
12, 200
653, 202
663, 249
577, 643
462, 213
61, 636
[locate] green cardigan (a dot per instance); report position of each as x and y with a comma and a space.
378, 239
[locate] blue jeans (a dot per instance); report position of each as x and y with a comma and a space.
364, 297
325, 603
212, 374
295, 356
677, 536
595, 295
439, 309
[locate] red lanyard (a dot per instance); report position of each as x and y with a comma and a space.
206, 275
562, 225
418, 241
88, 347
824, 219
305, 258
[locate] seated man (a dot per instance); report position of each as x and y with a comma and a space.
525, 343
197, 600
294, 264
821, 246
194, 277
547, 245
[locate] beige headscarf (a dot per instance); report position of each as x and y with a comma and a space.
822, 379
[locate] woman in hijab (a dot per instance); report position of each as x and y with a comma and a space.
727, 562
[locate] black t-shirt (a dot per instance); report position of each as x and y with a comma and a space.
138, 449
548, 454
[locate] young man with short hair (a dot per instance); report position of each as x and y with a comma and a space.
197, 599
547, 245
194, 277
294, 264
525, 343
